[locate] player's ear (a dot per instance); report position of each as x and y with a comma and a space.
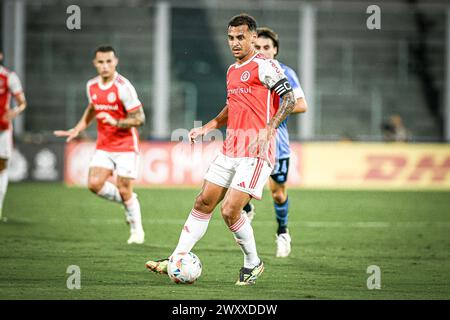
94, 59
254, 37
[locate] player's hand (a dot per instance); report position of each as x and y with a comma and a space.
11, 114
260, 146
107, 118
196, 133
70, 134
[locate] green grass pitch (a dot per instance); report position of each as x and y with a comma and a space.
336, 236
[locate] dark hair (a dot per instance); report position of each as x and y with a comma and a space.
268, 33
243, 19
105, 48
387, 127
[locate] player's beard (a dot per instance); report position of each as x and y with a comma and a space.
243, 55
106, 77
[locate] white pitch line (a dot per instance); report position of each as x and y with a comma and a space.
300, 224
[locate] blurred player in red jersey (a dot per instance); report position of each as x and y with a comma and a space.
9, 85
115, 104
252, 113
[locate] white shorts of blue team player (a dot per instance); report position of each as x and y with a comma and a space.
126, 164
248, 175
6, 143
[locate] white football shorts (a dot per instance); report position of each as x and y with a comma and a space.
248, 175
126, 164
6, 143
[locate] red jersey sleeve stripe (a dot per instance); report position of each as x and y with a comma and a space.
134, 108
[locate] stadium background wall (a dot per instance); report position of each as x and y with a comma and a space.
37, 161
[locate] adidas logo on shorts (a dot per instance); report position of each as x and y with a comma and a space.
242, 184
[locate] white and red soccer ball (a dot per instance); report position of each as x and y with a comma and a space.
184, 268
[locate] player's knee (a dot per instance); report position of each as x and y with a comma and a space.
95, 185
229, 211
279, 196
3, 164
203, 204
125, 191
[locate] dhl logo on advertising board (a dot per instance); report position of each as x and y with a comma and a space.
362, 165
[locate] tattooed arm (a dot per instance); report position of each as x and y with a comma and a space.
286, 107
134, 119
261, 144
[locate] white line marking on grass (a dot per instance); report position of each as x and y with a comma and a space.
304, 224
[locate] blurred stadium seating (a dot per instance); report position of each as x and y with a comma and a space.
361, 76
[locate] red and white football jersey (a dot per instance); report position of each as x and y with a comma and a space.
9, 84
251, 104
117, 98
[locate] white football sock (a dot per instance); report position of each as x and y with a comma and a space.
243, 234
133, 214
3, 187
110, 192
193, 230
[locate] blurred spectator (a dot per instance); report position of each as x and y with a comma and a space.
394, 129
347, 137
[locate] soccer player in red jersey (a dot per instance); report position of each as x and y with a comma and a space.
9, 85
252, 113
115, 104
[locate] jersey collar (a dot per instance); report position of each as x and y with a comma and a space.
237, 66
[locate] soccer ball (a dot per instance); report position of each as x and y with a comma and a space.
184, 268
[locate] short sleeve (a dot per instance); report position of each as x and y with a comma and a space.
226, 99
128, 96
270, 72
87, 93
295, 83
14, 85
228, 72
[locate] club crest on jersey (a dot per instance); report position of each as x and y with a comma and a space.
94, 97
111, 97
245, 76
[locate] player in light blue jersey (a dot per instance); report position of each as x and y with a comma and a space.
268, 44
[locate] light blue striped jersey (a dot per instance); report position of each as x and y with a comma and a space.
283, 149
